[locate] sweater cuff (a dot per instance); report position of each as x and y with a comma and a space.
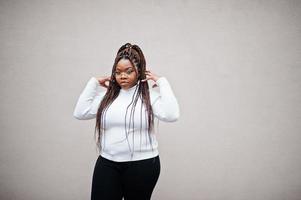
95, 85
93, 79
162, 81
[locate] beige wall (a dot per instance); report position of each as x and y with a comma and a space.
233, 65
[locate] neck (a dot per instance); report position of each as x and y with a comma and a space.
132, 88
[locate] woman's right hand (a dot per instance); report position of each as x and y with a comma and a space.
102, 81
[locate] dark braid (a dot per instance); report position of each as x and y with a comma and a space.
135, 55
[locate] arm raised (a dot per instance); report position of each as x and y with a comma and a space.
164, 104
89, 100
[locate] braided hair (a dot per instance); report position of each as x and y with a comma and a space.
135, 55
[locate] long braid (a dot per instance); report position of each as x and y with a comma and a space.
136, 57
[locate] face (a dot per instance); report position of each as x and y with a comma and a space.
126, 74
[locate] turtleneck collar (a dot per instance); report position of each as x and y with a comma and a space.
131, 89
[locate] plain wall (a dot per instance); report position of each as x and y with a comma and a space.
234, 66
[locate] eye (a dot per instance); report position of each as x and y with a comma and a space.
129, 71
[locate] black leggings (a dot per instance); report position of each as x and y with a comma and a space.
133, 180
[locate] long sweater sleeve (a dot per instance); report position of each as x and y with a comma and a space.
89, 100
165, 105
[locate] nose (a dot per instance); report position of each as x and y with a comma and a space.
123, 75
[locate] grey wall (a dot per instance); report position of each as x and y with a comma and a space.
234, 66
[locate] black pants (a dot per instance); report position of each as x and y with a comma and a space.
133, 180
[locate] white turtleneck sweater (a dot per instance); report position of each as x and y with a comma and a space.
121, 141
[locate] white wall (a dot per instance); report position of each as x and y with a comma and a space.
233, 65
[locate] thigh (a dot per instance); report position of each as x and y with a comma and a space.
140, 178
106, 181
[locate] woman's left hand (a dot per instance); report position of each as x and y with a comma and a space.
151, 76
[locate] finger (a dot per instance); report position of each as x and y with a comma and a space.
143, 80
106, 83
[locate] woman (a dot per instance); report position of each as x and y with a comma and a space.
128, 164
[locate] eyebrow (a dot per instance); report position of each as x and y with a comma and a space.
125, 68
